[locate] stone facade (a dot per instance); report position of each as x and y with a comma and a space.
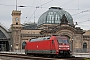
16, 30
77, 36
18, 34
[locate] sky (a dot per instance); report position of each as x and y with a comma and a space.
33, 9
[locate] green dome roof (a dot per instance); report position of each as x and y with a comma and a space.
53, 16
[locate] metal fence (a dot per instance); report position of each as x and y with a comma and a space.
80, 50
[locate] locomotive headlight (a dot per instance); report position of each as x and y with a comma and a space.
59, 48
68, 48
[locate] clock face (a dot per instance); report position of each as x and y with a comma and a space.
16, 19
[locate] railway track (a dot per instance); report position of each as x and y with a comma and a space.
23, 56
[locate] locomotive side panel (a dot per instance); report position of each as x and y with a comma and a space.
41, 47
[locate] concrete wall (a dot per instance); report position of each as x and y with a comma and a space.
82, 55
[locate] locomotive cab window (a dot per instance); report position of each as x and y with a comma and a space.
62, 41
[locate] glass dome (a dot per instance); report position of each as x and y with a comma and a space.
53, 16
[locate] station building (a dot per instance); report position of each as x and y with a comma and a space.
54, 21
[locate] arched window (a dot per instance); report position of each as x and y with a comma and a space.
23, 45
84, 47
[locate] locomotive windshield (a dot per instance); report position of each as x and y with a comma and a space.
62, 41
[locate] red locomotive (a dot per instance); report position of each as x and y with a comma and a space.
56, 46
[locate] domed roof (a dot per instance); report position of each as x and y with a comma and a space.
53, 16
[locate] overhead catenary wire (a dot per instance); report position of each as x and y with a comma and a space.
47, 2
82, 22
77, 9
51, 1
29, 11
7, 5
66, 3
29, 6
33, 13
81, 12
39, 7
